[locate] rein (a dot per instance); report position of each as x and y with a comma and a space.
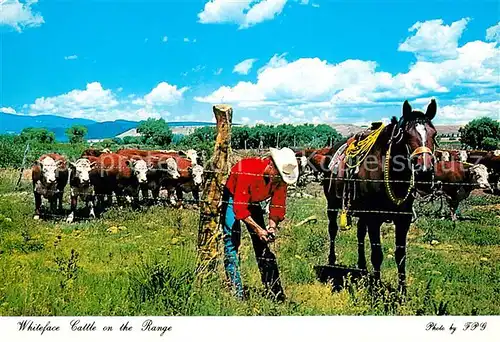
418, 151
390, 193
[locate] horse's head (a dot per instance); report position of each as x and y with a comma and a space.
419, 135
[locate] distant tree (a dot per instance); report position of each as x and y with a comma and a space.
40, 135
155, 132
117, 141
490, 144
482, 133
76, 134
129, 140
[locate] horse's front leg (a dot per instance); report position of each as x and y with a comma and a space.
402, 227
332, 232
376, 247
362, 229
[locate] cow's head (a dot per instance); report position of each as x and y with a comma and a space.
196, 172
462, 156
445, 156
192, 155
496, 153
82, 168
171, 168
49, 169
140, 169
479, 173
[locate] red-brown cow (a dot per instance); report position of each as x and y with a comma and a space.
456, 181
492, 161
190, 180
93, 152
116, 173
49, 175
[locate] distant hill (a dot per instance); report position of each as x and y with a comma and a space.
14, 124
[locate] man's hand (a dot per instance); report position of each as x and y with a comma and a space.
272, 229
263, 235
261, 232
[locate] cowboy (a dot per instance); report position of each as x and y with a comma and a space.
251, 181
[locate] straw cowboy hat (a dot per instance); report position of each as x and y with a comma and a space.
286, 163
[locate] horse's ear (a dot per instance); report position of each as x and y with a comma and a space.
431, 110
406, 110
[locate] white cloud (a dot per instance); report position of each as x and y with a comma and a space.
8, 110
164, 39
94, 96
19, 15
316, 83
433, 39
245, 13
218, 71
244, 67
162, 94
463, 113
493, 33
245, 120
186, 40
97, 103
71, 57
198, 68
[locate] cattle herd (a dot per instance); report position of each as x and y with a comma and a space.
98, 176
129, 175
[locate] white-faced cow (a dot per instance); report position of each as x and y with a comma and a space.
49, 175
456, 181
117, 173
81, 187
190, 181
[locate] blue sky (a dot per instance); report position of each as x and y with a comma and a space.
345, 61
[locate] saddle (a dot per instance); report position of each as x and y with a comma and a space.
345, 165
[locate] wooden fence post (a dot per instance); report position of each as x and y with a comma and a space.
216, 176
22, 166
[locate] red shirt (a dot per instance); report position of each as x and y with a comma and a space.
247, 184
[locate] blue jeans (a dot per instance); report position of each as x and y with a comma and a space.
266, 260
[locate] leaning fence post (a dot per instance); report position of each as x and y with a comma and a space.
216, 175
23, 165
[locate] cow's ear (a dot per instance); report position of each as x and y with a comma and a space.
431, 110
128, 163
92, 164
150, 165
406, 110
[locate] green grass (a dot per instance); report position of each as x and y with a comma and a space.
146, 266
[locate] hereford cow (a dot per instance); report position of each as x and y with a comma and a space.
114, 173
49, 175
492, 161
190, 180
162, 167
93, 152
456, 181
79, 181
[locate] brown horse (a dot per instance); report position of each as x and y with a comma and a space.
409, 143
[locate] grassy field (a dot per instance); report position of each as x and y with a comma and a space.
141, 263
